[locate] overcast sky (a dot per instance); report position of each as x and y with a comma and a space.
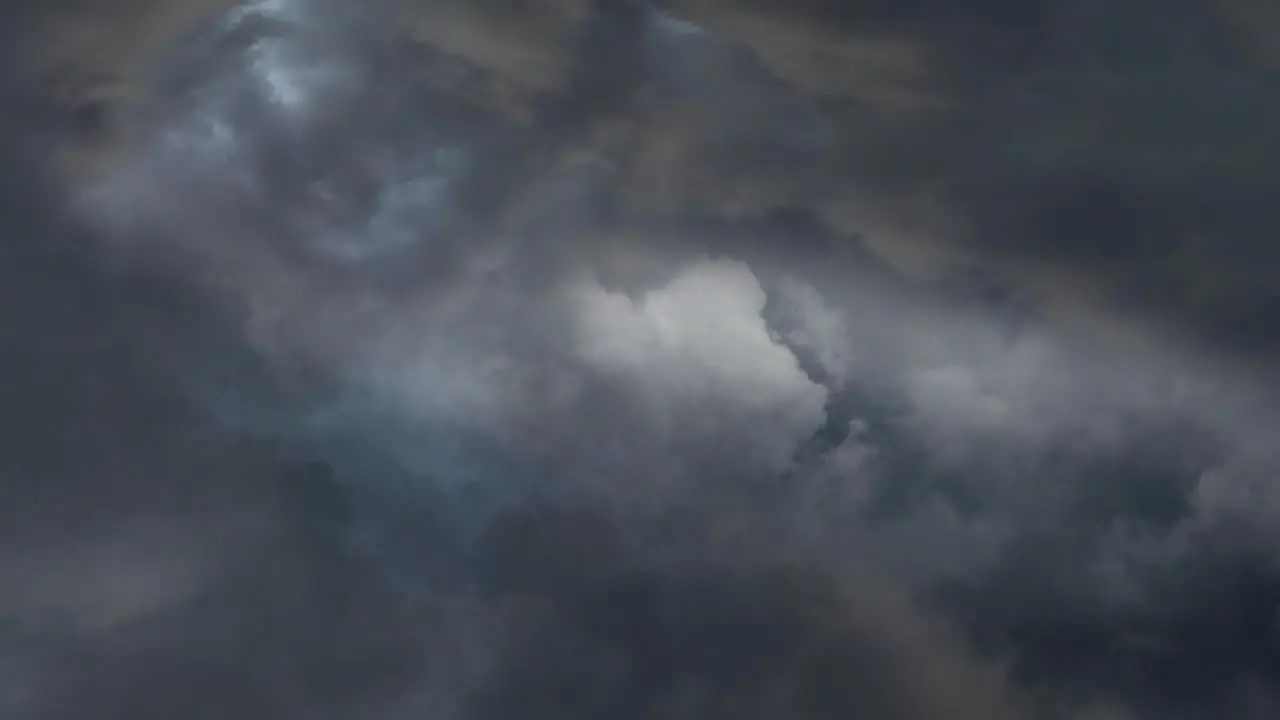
617, 359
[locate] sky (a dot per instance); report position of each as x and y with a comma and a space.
494, 359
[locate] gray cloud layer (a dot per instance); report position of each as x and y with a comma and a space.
603, 359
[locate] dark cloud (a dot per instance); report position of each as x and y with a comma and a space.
687, 359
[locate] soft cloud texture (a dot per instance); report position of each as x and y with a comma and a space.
699, 350
605, 359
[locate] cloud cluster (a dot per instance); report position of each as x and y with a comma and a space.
691, 359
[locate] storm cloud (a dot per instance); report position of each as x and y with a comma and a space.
625, 359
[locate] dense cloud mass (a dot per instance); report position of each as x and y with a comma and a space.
624, 359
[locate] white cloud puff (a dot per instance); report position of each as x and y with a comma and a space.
699, 347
